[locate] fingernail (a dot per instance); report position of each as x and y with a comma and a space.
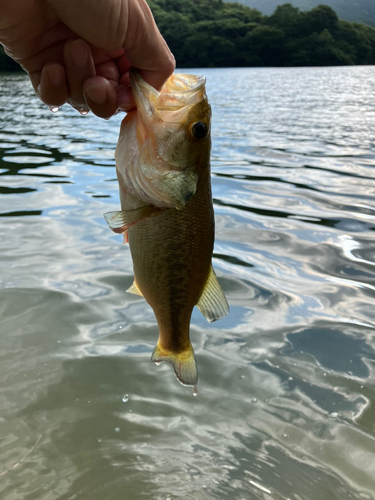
55, 74
96, 94
79, 52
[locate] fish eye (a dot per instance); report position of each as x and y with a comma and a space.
199, 130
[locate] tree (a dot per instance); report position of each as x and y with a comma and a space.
266, 44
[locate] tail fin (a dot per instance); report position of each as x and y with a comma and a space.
184, 364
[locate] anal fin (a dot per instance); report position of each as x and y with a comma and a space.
134, 289
212, 303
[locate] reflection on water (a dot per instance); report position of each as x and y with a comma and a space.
286, 395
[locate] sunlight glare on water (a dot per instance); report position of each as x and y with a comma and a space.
286, 381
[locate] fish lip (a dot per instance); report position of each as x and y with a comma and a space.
186, 91
194, 83
200, 82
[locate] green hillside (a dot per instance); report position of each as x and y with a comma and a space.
204, 33
211, 33
360, 11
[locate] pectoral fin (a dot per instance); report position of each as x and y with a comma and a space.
120, 222
212, 303
134, 289
183, 363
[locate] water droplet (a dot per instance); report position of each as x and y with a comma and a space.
361, 386
285, 436
324, 374
290, 378
84, 112
89, 401
59, 341
195, 390
157, 363
120, 327
267, 400
54, 109
334, 414
350, 373
294, 364
242, 376
117, 429
99, 440
125, 398
254, 400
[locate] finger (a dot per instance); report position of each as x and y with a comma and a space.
100, 55
52, 89
125, 79
79, 67
123, 64
125, 98
145, 48
126, 23
100, 96
108, 70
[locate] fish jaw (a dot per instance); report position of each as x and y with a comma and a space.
179, 91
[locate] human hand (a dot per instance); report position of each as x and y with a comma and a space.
80, 51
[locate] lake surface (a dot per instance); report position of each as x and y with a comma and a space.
286, 395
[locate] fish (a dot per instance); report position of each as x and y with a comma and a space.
163, 170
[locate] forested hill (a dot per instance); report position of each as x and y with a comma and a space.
360, 11
208, 33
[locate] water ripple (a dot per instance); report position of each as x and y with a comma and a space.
285, 405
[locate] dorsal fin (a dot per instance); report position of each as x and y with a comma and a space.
212, 302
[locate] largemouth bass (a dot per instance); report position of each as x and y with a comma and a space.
163, 169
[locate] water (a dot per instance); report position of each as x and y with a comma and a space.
286, 393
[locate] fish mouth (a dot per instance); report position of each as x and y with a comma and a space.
178, 92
